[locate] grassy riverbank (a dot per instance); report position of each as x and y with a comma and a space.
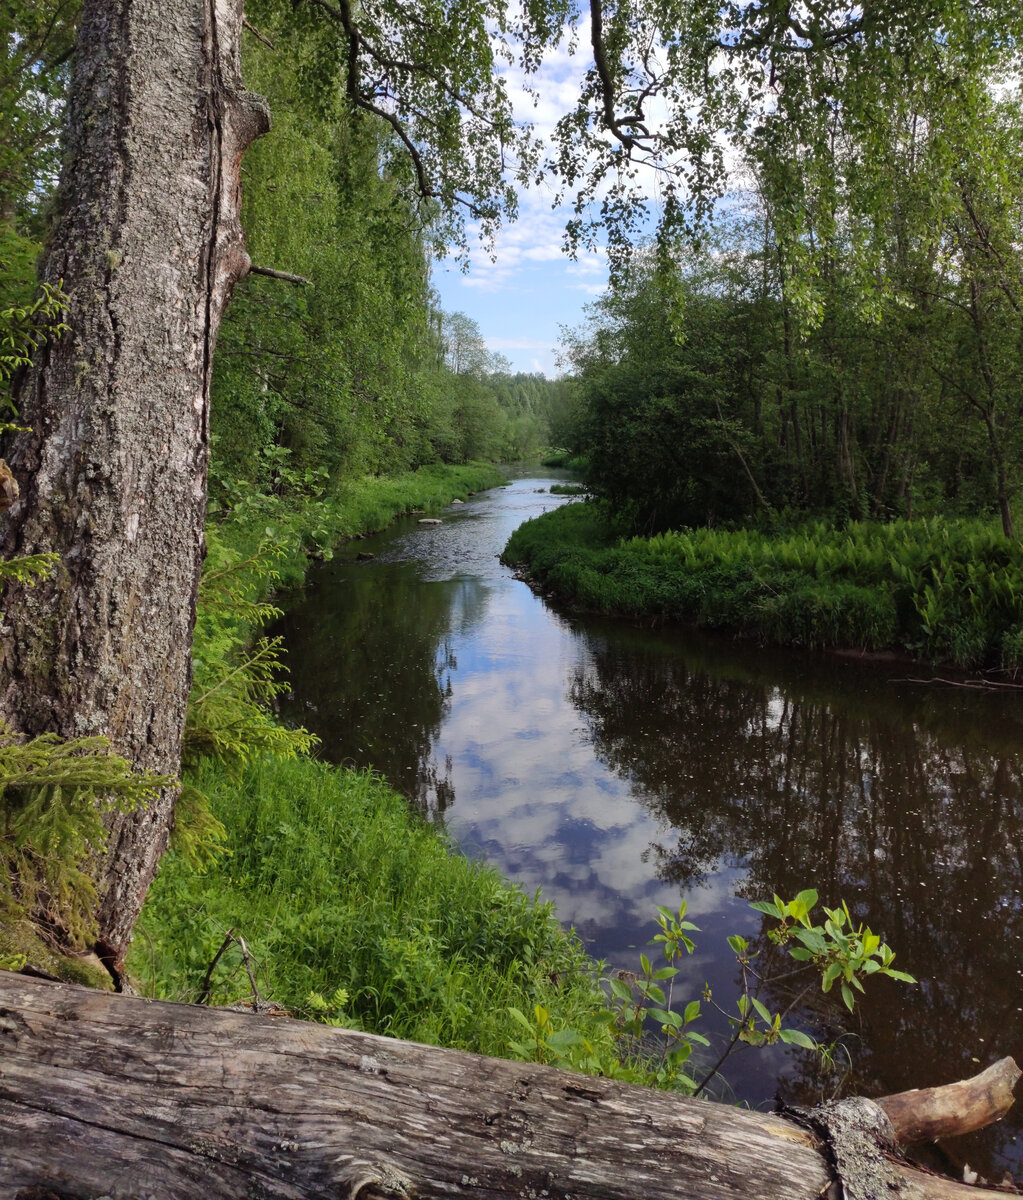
306, 522
944, 591
335, 883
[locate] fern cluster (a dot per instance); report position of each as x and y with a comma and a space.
53, 797
235, 679
941, 590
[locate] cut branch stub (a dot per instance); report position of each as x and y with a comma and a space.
927, 1114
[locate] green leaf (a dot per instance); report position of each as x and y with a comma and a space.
794, 1037
900, 975
565, 1038
762, 1010
679, 1055
620, 989
813, 940
516, 1015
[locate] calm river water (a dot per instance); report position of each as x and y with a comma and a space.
618, 768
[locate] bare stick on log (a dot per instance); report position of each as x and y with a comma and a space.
287, 276
118, 1096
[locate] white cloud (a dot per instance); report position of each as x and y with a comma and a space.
520, 343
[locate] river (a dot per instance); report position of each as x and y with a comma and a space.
618, 768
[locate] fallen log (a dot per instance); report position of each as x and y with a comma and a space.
105, 1095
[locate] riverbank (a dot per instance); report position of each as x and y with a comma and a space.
941, 591
354, 910
307, 523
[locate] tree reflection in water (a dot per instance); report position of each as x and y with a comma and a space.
902, 800
726, 764
375, 664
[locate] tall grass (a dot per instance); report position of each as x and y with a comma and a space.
940, 590
335, 883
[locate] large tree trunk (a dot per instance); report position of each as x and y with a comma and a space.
116, 1096
113, 474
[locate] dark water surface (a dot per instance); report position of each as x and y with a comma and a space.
619, 768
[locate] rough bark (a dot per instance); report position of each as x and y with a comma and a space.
113, 475
112, 1095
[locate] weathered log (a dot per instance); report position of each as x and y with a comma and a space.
927, 1114
123, 1097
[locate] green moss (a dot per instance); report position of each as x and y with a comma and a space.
22, 942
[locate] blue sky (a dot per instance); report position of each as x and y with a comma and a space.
521, 299
532, 288
519, 302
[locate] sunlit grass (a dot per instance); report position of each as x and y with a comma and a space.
335, 883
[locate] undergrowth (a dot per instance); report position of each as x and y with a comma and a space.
354, 908
945, 591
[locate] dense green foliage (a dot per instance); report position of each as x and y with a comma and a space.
945, 591
355, 371
847, 339
702, 399
335, 883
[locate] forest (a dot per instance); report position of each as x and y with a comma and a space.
808, 420
794, 409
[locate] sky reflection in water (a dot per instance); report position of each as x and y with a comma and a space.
622, 768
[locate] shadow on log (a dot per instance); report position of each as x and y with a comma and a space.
105, 1095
